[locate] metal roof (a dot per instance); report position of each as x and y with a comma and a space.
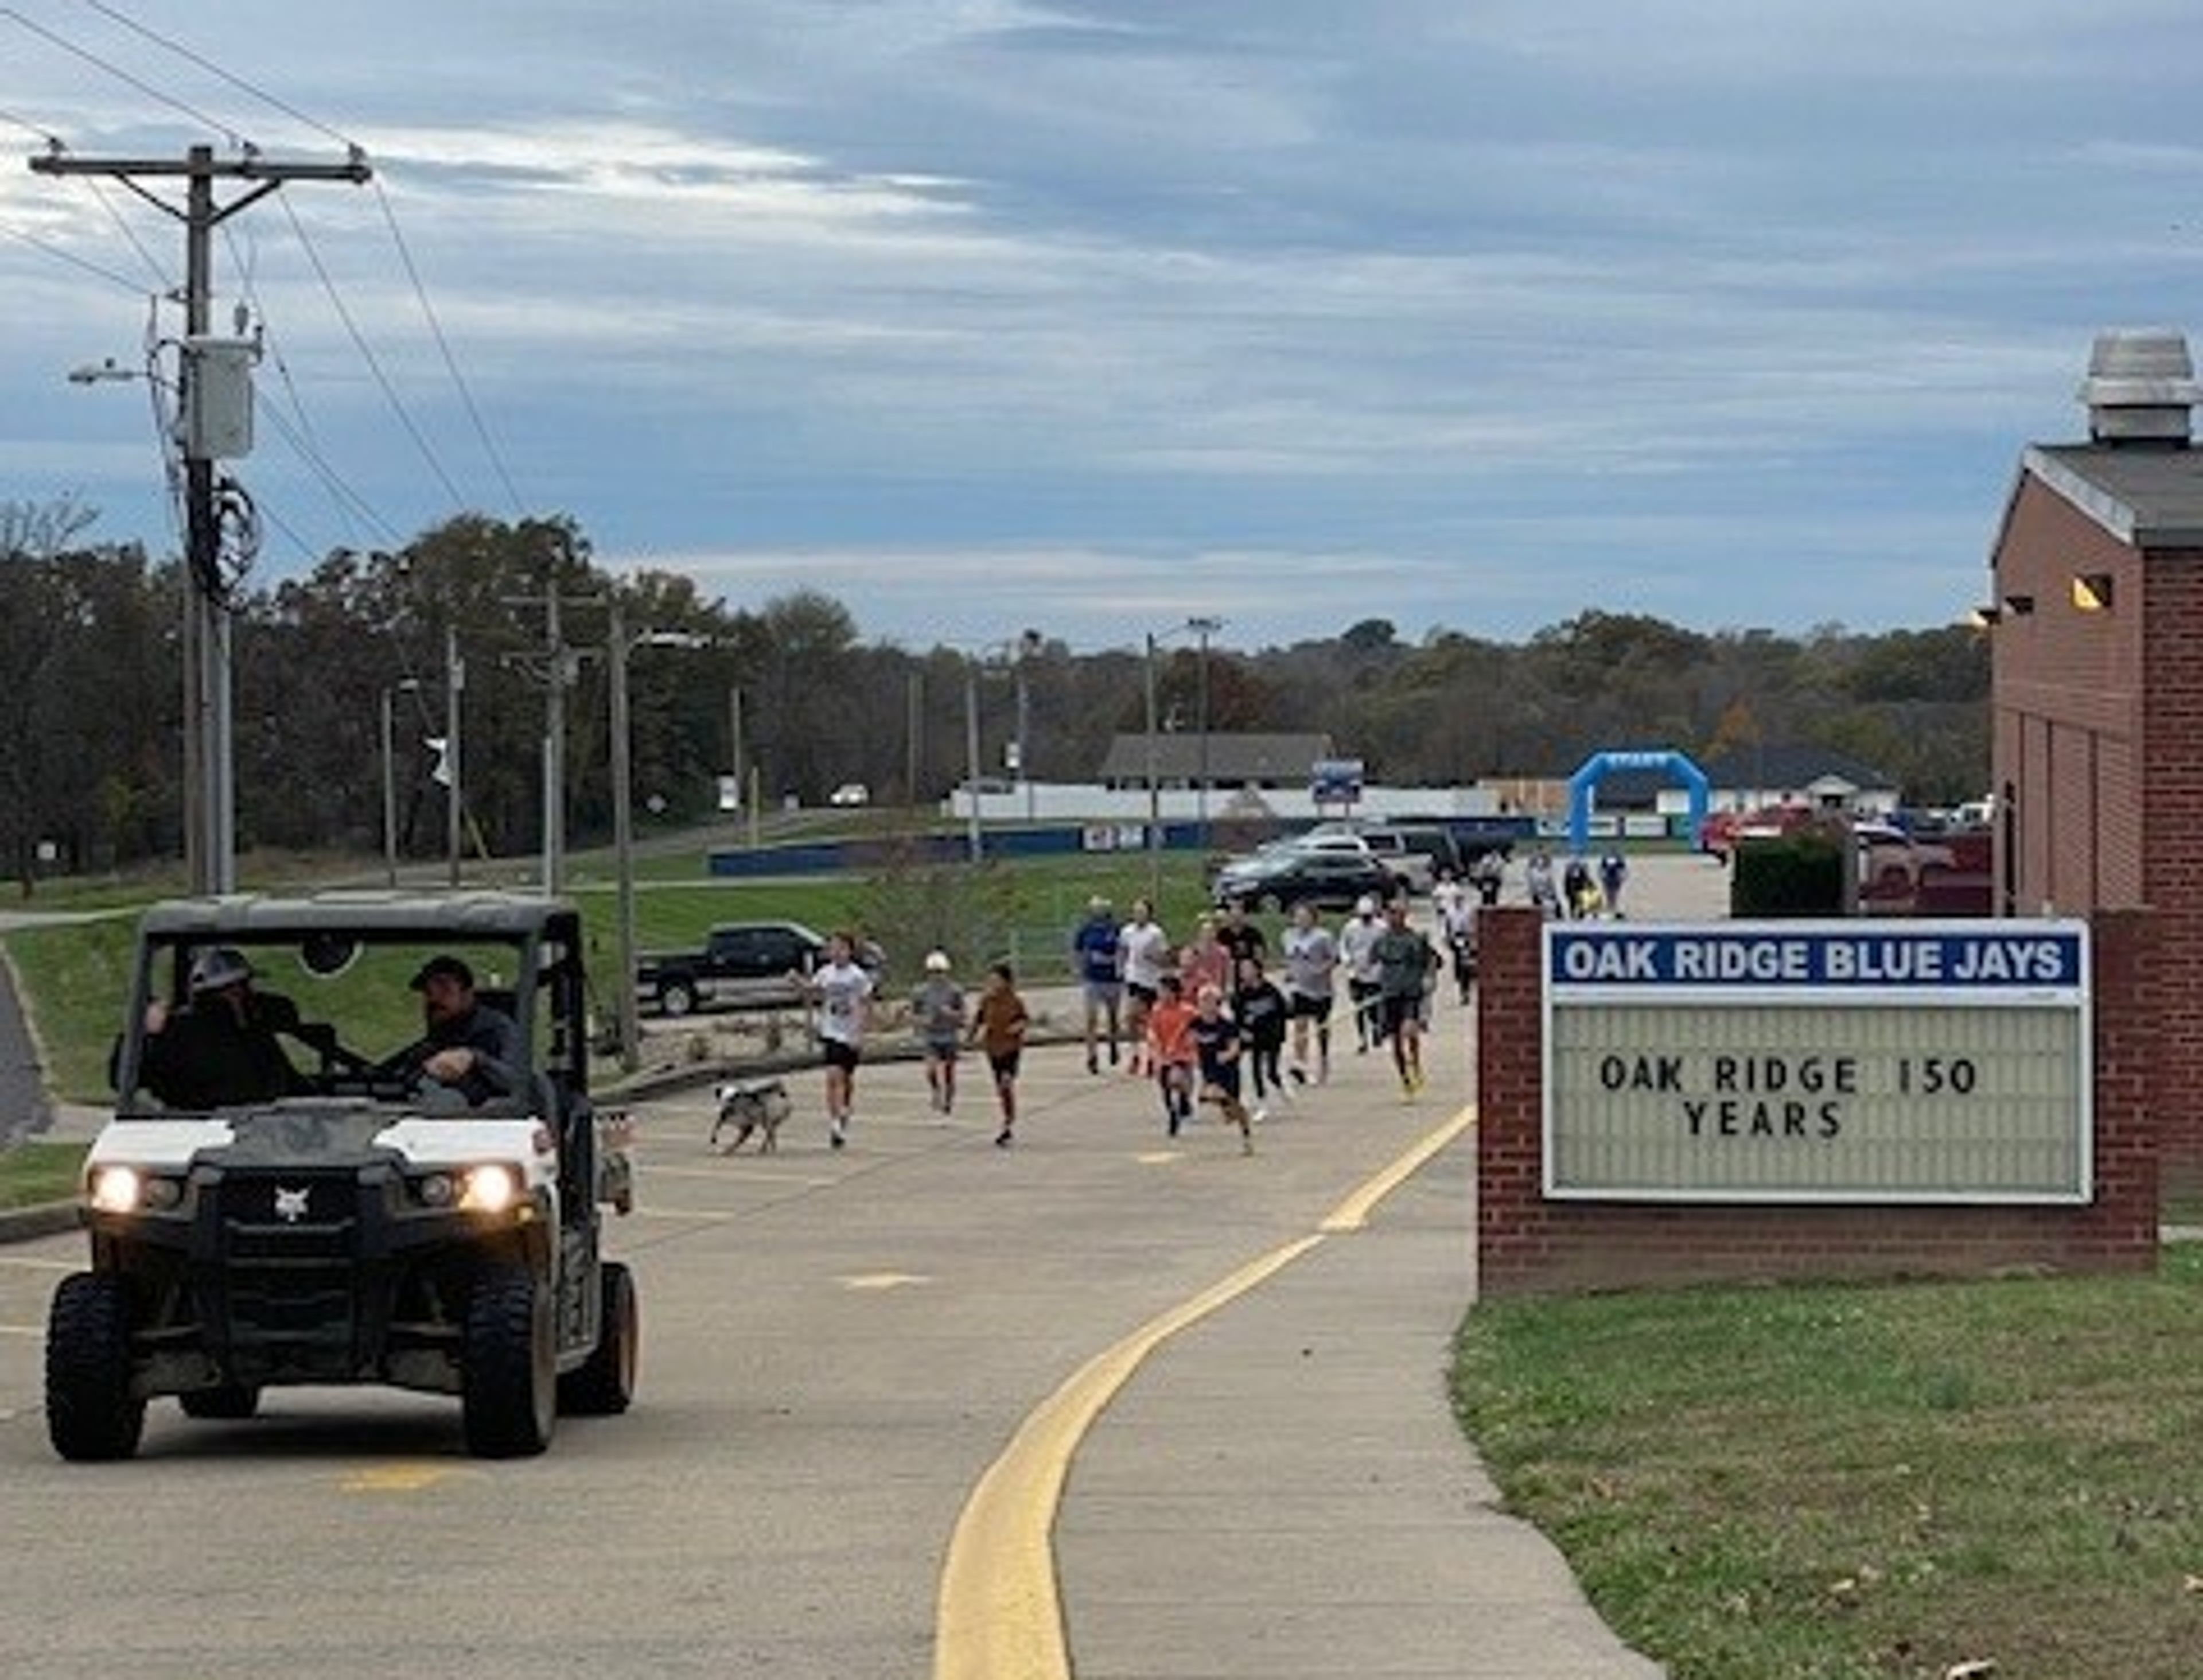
461, 915
1232, 757
2147, 498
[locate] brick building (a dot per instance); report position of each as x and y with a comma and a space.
2097, 612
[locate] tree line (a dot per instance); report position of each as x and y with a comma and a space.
91, 708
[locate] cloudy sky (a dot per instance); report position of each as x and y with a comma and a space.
1091, 315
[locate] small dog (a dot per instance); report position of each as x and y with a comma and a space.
751, 1106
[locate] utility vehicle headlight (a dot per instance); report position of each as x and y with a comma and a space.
116, 1189
119, 1189
435, 1189
494, 1188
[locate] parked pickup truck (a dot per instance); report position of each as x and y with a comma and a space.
744, 965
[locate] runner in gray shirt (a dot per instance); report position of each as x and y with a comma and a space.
1311, 961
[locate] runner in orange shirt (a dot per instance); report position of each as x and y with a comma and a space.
1170, 1050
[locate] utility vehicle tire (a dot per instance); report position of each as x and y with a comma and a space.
678, 997
603, 1386
91, 1413
508, 1366
230, 1401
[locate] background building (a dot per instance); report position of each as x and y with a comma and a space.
2096, 610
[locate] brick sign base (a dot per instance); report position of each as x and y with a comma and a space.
1527, 1244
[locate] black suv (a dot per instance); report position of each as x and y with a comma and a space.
1284, 876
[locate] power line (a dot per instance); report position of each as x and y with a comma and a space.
52, 39
343, 493
443, 345
245, 257
28, 126
239, 83
374, 365
136, 288
251, 90
130, 235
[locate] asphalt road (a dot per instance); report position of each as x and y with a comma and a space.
837, 1348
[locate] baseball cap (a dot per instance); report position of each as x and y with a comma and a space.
1365, 906
223, 966
936, 962
443, 967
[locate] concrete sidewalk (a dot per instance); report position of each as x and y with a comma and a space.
1281, 1493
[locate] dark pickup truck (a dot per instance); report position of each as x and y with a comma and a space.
746, 965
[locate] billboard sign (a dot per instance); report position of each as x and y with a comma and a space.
1336, 781
1819, 1061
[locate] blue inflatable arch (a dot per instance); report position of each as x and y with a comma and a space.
1675, 766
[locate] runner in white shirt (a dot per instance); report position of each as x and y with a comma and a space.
1447, 894
1144, 951
843, 994
1311, 958
1357, 954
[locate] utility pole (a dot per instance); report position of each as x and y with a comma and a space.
1203, 628
455, 683
209, 756
734, 737
1027, 645
972, 840
1154, 795
913, 737
617, 648
561, 665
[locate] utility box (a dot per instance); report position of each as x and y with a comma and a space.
216, 424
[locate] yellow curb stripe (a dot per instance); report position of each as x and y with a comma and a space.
1353, 1213
998, 1615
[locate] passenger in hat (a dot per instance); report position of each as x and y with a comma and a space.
468, 1045
219, 1049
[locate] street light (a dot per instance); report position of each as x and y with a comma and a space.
1013, 654
1028, 644
1204, 627
973, 843
619, 643
404, 685
209, 789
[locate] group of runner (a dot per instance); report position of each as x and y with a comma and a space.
1203, 1020
1207, 1018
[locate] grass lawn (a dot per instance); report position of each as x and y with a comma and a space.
1865, 1483
75, 976
34, 1173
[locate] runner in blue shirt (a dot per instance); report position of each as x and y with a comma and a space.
1096, 955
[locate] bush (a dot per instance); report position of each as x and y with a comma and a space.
1799, 874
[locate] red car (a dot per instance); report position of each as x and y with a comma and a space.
1719, 833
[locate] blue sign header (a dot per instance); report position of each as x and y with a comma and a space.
1996, 956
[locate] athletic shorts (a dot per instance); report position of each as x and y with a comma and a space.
1394, 1012
1005, 1065
1138, 993
1225, 1080
840, 1053
1310, 1007
941, 1049
1104, 994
